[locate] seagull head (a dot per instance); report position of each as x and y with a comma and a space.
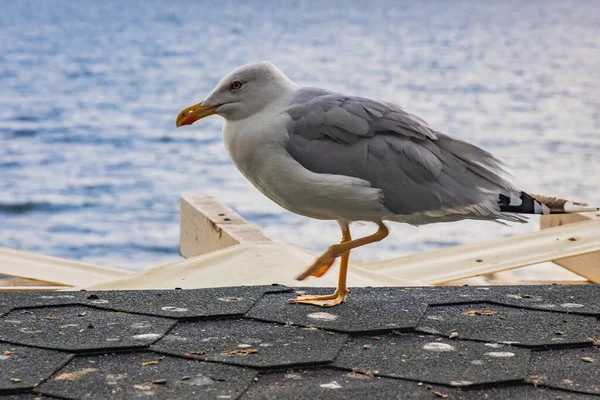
241, 93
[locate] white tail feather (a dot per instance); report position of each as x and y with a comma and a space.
557, 205
571, 207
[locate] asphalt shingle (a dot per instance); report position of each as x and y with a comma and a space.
572, 369
184, 304
251, 343
327, 383
80, 328
491, 322
146, 375
432, 359
366, 310
24, 367
575, 299
331, 384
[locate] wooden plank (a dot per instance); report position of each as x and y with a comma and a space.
33, 288
4, 282
207, 225
54, 270
245, 264
586, 265
459, 262
470, 282
554, 220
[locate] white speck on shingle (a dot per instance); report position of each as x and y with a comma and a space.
112, 339
101, 301
502, 354
141, 325
174, 309
60, 296
142, 386
331, 385
146, 336
293, 376
69, 326
12, 321
30, 330
436, 346
265, 345
428, 329
175, 338
230, 299
244, 345
494, 345
571, 305
112, 379
477, 362
460, 383
200, 380
4, 357
435, 317
323, 316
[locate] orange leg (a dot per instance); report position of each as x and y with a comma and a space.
346, 237
324, 262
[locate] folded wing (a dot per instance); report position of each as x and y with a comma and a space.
420, 170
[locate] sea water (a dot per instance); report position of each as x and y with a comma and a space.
92, 167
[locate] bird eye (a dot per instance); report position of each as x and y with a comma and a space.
235, 85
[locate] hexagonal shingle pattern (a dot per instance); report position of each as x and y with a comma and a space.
571, 369
495, 323
575, 299
326, 383
366, 310
432, 359
80, 328
24, 367
147, 375
184, 304
251, 343
549, 318
14, 300
331, 384
23, 396
181, 304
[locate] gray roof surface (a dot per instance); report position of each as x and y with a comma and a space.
517, 342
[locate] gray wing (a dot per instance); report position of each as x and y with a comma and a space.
417, 168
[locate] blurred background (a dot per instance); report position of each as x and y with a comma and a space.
91, 166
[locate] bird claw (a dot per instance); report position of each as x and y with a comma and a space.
321, 301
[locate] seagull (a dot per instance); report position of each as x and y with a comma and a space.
333, 156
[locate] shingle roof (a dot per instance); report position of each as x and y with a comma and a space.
517, 342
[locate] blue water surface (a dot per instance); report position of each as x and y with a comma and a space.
91, 166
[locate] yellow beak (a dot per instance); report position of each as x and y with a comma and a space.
189, 115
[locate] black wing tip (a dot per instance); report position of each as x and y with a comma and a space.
528, 205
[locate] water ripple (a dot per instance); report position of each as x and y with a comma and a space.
91, 166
